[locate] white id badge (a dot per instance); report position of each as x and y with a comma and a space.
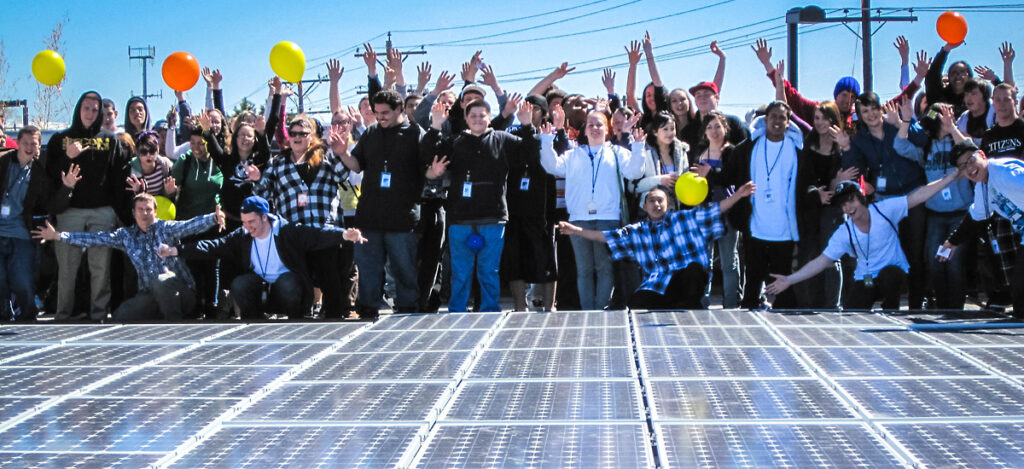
5, 211
524, 184
768, 196
303, 199
944, 252
592, 207
385, 180
995, 246
467, 189
947, 194
881, 184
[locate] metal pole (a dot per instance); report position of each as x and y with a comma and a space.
301, 107
145, 90
791, 66
865, 33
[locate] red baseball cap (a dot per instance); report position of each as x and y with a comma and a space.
705, 85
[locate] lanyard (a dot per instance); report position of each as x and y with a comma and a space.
856, 239
778, 156
594, 169
21, 179
260, 263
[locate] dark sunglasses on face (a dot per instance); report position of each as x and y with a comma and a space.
298, 133
145, 152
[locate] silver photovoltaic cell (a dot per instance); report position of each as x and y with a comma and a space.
942, 397
1011, 337
675, 336
190, 381
773, 445
33, 381
850, 337
158, 333
248, 354
46, 333
890, 361
106, 460
734, 362
291, 332
962, 444
1009, 360
113, 425
555, 363
745, 399
537, 446
386, 365
14, 406
562, 337
9, 351
305, 446
407, 322
580, 400
567, 319
417, 341
696, 318
96, 355
828, 319
386, 402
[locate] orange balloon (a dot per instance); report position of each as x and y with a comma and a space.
181, 71
952, 27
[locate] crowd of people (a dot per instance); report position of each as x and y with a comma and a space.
424, 195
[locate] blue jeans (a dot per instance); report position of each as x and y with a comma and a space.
487, 262
729, 261
399, 249
946, 279
17, 277
594, 277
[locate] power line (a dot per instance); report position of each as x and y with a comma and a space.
511, 20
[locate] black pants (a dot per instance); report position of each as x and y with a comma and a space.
763, 258
287, 296
685, 291
912, 240
887, 287
206, 274
1018, 288
431, 247
326, 267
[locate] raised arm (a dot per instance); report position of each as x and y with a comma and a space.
922, 194
422, 78
551, 162
334, 73
395, 64
552, 77
633, 55
1007, 54
652, 67
903, 47
720, 72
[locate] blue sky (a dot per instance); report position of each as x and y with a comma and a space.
237, 37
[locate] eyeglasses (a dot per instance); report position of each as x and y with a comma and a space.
968, 161
298, 133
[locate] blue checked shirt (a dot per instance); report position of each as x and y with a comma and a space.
668, 245
283, 185
141, 246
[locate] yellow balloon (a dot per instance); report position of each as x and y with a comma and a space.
165, 209
48, 67
288, 61
691, 189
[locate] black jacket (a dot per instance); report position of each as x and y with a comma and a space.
396, 151
41, 196
293, 243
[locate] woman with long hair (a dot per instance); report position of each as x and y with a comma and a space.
713, 151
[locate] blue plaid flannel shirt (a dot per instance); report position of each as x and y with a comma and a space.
281, 184
665, 246
141, 246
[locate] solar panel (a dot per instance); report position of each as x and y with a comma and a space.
326, 402
158, 333
290, 332
849, 337
46, 333
33, 460
96, 355
940, 397
248, 354
580, 400
745, 399
1009, 360
418, 341
10, 351
708, 362
562, 337
191, 381
386, 365
555, 363
408, 322
1005, 337
891, 361
567, 319
697, 318
46, 381
706, 336
997, 444
14, 406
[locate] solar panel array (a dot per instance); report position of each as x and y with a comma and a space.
567, 389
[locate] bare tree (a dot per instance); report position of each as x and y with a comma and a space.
4, 68
50, 103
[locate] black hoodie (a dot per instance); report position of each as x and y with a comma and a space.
104, 165
129, 128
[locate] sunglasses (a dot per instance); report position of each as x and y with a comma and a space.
298, 133
145, 152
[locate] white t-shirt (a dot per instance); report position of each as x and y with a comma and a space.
878, 248
774, 199
1003, 194
265, 260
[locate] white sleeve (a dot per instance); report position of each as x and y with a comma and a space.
552, 163
633, 167
978, 210
838, 244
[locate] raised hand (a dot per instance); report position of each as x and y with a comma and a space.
357, 118
488, 77
468, 72
906, 108
208, 77
525, 114
334, 70
216, 77
444, 83
170, 187
780, 70
717, 50
892, 113
648, 47
370, 59
558, 116
476, 59
985, 72
422, 76
1006, 52
437, 167
45, 233
395, 60
631, 122
946, 117
252, 173
633, 53
903, 46
922, 64
842, 138
135, 184
512, 105
546, 128
337, 140
275, 85
71, 177
204, 120
608, 80
438, 114
389, 77
763, 53
638, 134
261, 124
563, 70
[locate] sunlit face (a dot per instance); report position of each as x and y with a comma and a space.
666, 134
1003, 104
386, 116
974, 166
844, 100
777, 122
344, 121
216, 121
109, 117
958, 75
145, 213
298, 136
597, 129
137, 114
975, 102
29, 144
366, 110
410, 107
649, 97
821, 123
853, 208
679, 102
257, 225
618, 120
246, 138
871, 115
656, 204
198, 147
447, 100
715, 131
478, 119
147, 158
555, 102
706, 100
469, 97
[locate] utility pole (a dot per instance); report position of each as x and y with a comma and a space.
303, 91
387, 48
814, 15
144, 55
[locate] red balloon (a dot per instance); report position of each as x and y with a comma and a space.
181, 71
952, 27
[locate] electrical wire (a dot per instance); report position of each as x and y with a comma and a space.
492, 23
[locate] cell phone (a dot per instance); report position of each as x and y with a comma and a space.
944, 252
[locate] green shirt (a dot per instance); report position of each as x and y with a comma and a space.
198, 186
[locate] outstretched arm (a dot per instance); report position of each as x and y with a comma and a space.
569, 229
552, 77
782, 282
743, 191
922, 194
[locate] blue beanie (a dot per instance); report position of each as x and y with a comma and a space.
847, 84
